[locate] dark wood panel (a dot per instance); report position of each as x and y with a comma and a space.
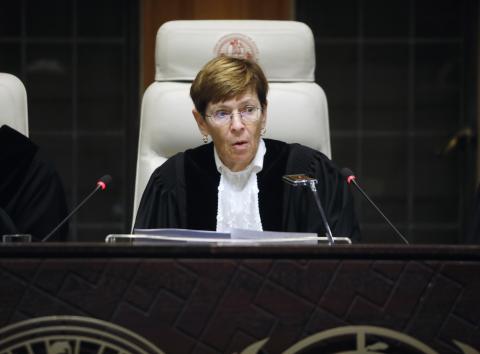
224, 299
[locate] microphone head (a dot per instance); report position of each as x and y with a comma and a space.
104, 181
347, 174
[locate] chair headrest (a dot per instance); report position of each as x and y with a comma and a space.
284, 49
13, 103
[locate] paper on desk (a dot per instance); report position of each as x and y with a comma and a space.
187, 233
274, 236
236, 236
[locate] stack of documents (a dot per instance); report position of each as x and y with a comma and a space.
234, 237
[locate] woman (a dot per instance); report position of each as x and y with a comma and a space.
236, 181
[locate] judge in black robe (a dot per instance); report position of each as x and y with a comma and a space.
230, 99
182, 193
32, 199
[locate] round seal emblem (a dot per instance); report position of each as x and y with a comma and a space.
236, 45
72, 335
365, 339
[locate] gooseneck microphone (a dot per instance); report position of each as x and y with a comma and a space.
351, 178
304, 180
101, 184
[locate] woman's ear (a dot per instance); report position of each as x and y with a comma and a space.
201, 123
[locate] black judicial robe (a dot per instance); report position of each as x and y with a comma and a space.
32, 199
183, 192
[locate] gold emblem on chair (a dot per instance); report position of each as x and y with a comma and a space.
237, 45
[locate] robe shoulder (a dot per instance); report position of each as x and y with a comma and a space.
32, 198
166, 175
162, 201
183, 192
334, 193
165, 202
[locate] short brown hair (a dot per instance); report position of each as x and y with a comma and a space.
224, 78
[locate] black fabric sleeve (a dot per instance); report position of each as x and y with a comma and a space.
32, 197
7, 226
162, 203
41, 203
335, 196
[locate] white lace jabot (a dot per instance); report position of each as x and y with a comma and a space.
238, 194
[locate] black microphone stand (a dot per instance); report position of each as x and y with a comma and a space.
303, 180
311, 184
71, 213
379, 211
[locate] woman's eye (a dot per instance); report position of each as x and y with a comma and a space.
249, 109
221, 114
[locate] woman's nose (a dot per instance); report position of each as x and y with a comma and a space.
236, 122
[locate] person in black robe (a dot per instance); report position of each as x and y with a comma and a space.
184, 191
32, 199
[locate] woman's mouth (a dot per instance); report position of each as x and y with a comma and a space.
240, 145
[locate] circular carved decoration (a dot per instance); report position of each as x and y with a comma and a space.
72, 335
360, 339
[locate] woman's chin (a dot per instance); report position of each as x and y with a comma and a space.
240, 161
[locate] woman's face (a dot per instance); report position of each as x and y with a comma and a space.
236, 141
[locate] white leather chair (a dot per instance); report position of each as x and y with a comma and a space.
297, 106
13, 103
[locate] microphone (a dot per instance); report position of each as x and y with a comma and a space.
350, 177
304, 180
101, 184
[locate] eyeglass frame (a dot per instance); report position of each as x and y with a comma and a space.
232, 113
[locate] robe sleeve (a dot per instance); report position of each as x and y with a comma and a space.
334, 193
32, 199
7, 226
40, 203
163, 201
337, 198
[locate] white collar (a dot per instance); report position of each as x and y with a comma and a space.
238, 194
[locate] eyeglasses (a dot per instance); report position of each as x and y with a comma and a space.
248, 114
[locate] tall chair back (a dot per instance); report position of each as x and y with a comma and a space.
297, 106
13, 103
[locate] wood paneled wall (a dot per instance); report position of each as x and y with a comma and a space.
156, 12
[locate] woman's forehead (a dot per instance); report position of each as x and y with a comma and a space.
248, 97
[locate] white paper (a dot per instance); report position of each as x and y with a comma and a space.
235, 237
